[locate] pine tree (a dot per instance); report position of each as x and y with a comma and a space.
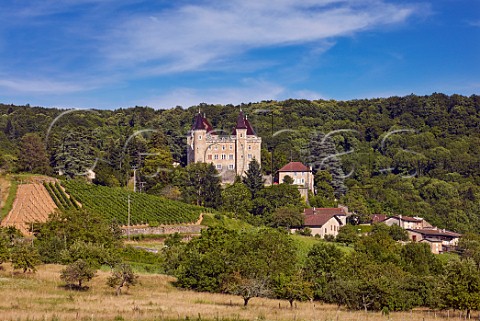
321, 153
75, 156
254, 179
33, 155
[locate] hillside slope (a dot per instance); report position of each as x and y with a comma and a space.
32, 204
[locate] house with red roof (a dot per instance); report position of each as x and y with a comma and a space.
325, 221
229, 151
302, 177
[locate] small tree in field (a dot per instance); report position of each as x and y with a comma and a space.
122, 275
293, 287
24, 256
247, 287
77, 272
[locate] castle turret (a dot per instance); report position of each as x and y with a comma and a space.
240, 131
196, 139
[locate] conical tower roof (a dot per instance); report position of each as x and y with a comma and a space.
201, 122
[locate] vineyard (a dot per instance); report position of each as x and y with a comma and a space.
59, 197
144, 208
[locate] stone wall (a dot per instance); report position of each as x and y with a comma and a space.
161, 230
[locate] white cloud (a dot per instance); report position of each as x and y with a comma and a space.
474, 23
307, 94
250, 91
191, 37
42, 86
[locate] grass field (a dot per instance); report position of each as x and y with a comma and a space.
41, 296
8, 189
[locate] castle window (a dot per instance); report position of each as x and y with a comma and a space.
231, 147
210, 147
241, 135
249, 147
230, 166
216, 147
199, 137
223, 147
230, 156
209, 157
303, 180
215, 156
249, 156
219, 166
224, 156
294, 173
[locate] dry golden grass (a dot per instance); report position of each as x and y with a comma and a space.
4, 189
41, 296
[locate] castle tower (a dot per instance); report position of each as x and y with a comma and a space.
240, 132
197, 139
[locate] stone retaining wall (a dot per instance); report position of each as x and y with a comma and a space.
160, 230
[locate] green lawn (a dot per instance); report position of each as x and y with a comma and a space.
305, 243
214, 220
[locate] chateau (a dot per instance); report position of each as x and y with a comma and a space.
230, 153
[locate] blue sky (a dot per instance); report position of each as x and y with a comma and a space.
121, 53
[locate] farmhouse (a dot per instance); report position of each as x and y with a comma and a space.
448, 239
325, 221
407, 222
302, 177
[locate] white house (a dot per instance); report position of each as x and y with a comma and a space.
407, 222
302, 177
325, 221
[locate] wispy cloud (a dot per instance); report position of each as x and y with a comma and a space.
191, 37
249, 91
42, 86
474, 23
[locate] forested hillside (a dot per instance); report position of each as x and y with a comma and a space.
417, 156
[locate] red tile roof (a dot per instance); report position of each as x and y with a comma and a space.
317, 220
294, 167
377, 218
320, 216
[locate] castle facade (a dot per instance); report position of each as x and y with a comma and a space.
230, 153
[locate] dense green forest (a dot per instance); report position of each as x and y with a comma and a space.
413, 155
